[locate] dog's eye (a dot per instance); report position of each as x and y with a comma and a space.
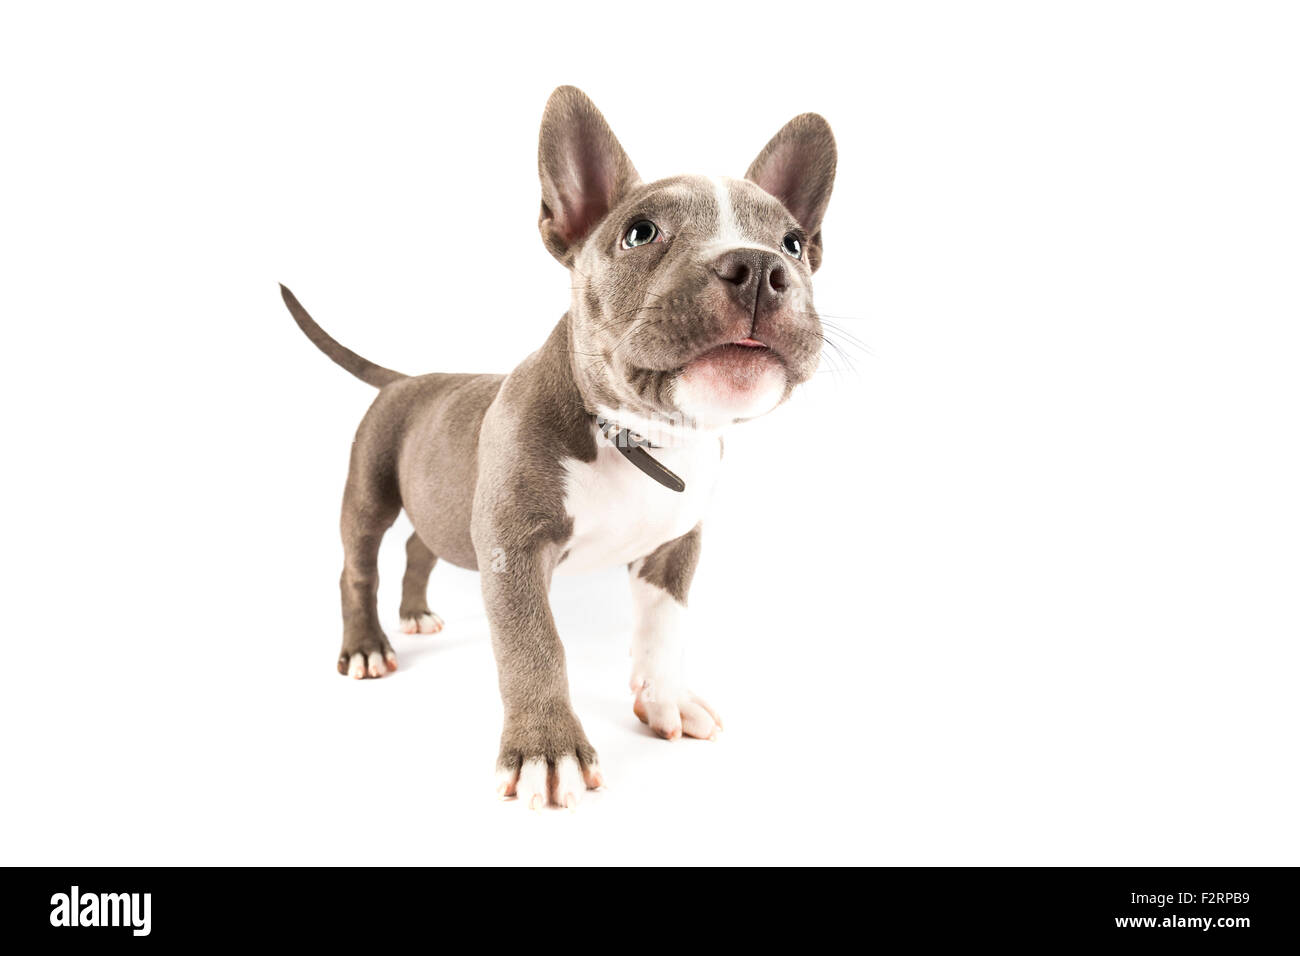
641, 233
792, 245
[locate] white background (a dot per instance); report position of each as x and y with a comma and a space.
1017, 587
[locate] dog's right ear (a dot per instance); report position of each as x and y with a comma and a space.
583, 168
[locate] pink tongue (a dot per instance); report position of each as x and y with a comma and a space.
751, 344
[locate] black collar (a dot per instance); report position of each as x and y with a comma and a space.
633, 448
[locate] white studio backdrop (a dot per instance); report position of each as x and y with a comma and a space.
1015, 583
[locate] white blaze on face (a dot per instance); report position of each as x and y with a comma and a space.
727, 233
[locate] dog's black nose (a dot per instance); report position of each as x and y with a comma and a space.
755, 279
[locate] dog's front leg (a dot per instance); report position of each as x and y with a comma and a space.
544, 751
660, 582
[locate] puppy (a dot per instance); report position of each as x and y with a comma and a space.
691, 311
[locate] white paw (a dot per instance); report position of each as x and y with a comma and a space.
670, 714
424, 624
531, 787
534, 784
374, 664
569, 783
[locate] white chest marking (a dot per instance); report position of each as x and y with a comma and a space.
621, 514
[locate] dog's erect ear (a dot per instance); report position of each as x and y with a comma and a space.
584, 171
798, 168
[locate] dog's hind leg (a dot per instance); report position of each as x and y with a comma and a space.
415, 613
371, 502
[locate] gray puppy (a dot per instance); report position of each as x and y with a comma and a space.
691, 311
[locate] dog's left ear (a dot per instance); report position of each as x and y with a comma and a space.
798, 168
583, 168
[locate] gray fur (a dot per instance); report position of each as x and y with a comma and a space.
364, 369
415, 583
478, 461
671, 566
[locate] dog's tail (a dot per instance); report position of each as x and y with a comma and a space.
364, 369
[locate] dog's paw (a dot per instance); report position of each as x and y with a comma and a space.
368, 657
546, 758
424, 622
671, 714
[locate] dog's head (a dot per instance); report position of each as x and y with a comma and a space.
692, 295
